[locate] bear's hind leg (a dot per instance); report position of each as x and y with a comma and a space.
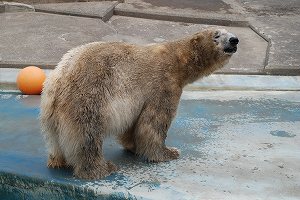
56, 158
90, 162
82, 146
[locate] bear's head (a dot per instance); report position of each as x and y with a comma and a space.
213, 48
226, 42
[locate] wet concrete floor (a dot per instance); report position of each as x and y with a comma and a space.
234, 145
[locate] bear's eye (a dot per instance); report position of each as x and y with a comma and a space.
217, 34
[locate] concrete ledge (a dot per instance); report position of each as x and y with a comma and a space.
8, 78
15, 7
267, 39
123, 9
103, 10
246, 83
20, 65
284, 54
274, 70
16, 65
286, 70
213, 82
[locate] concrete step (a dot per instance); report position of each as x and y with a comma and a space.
103, 10
15, 7
179, 15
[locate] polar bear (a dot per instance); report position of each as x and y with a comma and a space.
121, 89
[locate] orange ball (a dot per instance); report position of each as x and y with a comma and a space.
30, 80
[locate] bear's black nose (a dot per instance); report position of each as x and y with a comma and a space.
234, 40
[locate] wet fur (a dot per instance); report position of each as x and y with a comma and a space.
102, 89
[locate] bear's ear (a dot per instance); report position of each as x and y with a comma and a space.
197, 38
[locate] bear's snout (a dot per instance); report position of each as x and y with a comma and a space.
233, 40
230, 46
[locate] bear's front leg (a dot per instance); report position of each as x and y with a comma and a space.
152, 127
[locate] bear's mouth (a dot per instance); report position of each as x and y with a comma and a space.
230, 50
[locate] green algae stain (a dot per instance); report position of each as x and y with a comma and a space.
282, 134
